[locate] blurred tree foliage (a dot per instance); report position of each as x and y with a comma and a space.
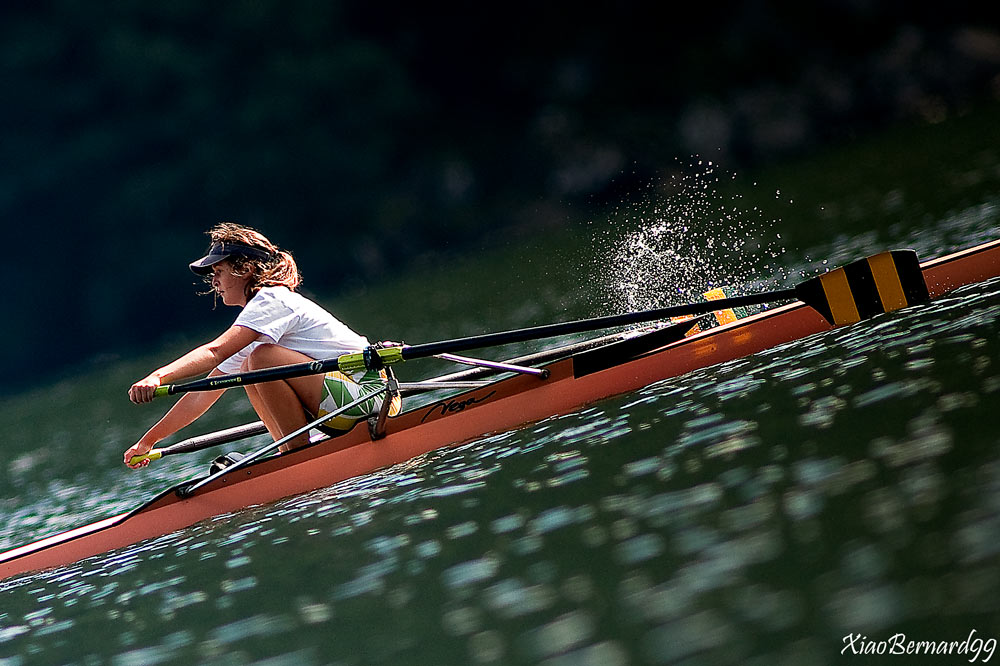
362, 135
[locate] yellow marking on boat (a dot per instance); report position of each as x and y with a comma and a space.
840, 298
890, 289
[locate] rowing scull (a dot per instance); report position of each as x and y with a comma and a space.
582, 377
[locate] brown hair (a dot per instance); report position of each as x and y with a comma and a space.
279, 270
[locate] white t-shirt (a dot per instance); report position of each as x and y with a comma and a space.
288, 319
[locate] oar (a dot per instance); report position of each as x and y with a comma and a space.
236, 433
860, 290
204, 441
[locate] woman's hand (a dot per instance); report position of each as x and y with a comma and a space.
140, 448
144, 389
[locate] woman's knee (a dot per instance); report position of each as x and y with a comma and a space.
264, 356
269, 355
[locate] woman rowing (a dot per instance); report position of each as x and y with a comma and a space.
277, 326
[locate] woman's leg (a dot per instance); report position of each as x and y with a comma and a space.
282, 404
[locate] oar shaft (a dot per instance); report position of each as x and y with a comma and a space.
205, 441
253, 377
226, 436
567, 328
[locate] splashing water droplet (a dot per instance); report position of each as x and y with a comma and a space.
669, 248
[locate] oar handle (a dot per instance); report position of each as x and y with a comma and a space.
154, 454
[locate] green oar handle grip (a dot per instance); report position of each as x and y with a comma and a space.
162, 391
151, 456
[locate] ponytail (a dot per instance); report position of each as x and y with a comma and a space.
278, 269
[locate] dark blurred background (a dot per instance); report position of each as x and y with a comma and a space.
366, 136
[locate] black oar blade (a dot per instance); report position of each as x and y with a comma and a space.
862, 289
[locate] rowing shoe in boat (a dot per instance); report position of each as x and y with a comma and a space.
525, 391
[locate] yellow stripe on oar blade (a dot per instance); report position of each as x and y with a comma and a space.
886, 275
867, 287
840, 297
